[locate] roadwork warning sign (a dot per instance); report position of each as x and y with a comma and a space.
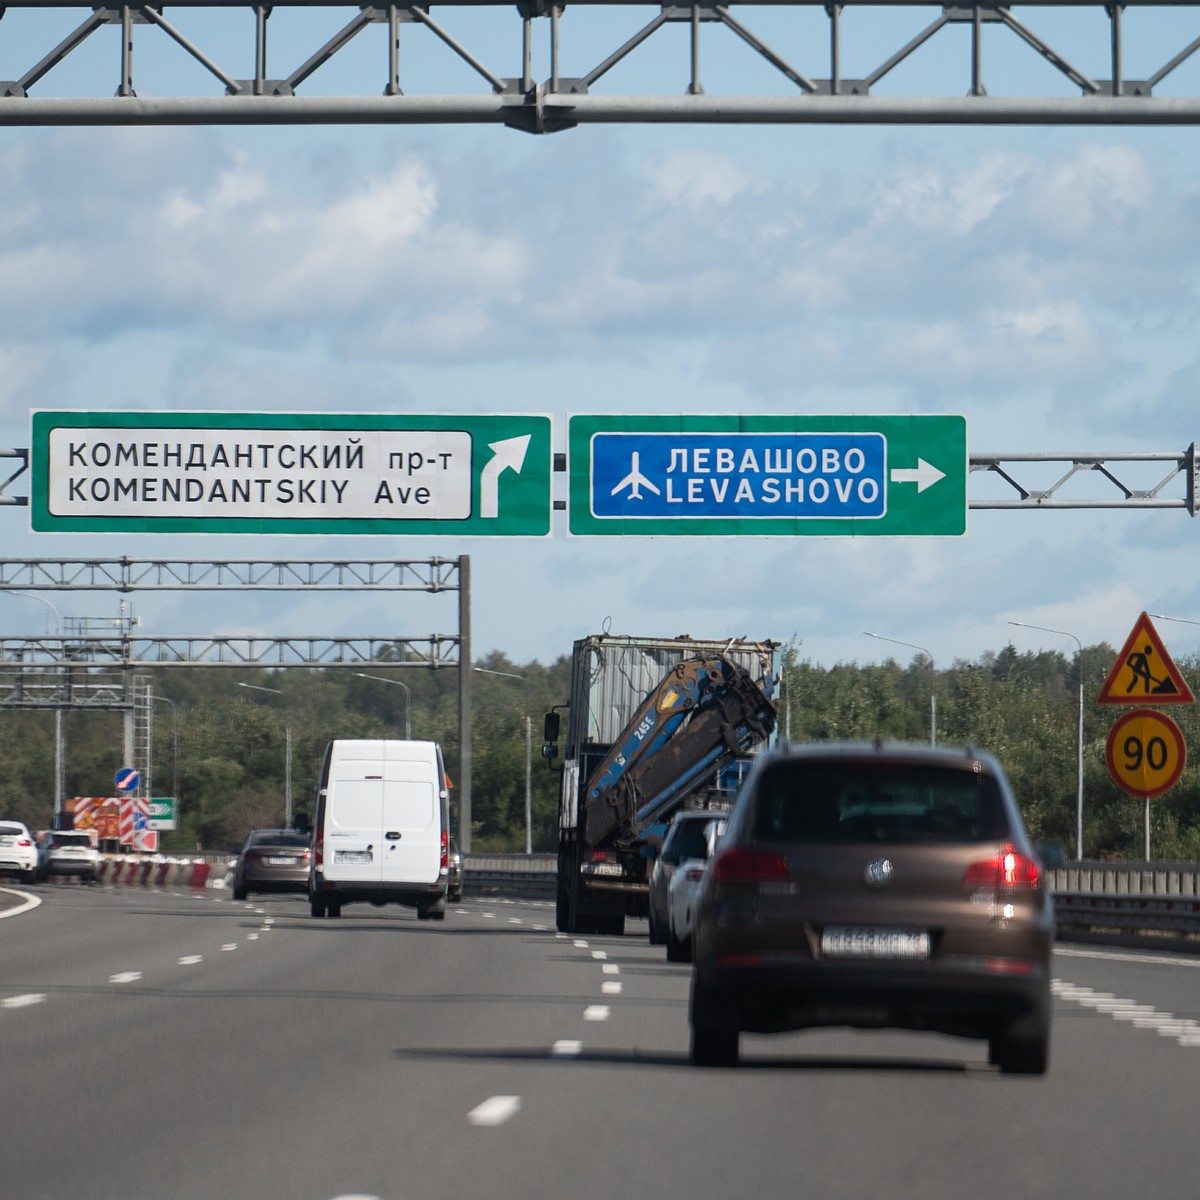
1144, 672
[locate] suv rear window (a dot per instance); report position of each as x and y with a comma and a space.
274, 837
70, 839
877, 801
686, 839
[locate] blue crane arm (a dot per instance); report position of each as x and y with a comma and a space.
707, 711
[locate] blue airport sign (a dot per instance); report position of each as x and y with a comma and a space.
774, 476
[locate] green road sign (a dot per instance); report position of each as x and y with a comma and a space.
160, 813
304, 473
758, 476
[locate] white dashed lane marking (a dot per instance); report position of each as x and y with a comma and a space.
566, 1048
190, 960
1184, 1030
495, 1110
22, 1001
125, 977
596, 1012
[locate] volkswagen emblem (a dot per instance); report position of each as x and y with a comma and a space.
878, 872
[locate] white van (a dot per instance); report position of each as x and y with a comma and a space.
381, 831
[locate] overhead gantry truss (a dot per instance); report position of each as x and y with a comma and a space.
434, 650
230, 574
813, 62
1084, 480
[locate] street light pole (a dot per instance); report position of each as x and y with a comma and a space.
287, 770
174, 743
407, 699
932, 681
1079, 739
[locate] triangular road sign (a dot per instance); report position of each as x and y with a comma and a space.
1144, 673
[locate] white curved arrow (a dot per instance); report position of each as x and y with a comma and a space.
508, 454
923, 475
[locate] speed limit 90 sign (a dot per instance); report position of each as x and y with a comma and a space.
1146, 753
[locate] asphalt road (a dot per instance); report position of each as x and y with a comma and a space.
160, 1046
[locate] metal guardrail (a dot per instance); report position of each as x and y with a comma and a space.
1127, 902
526, 875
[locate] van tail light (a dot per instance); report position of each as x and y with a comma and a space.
445, 850
740, 865
1008, 871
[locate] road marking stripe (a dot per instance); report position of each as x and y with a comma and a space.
598, 954
190, 960
611, 969
1141, 1016
252, 937
566, 1048
125, 977
495, 1110
580, 944
229, 946
611, 987
1111, 956
596, 1012
22, 1001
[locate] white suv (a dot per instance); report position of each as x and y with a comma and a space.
18, 851
70, 852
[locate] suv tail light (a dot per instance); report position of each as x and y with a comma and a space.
1007, 871
739, 864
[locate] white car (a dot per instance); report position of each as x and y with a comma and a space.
682, 893
70, 852
18, 851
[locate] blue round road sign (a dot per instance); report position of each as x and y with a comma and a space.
127, 778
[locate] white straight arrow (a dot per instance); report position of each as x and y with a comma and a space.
508, 454
923, 475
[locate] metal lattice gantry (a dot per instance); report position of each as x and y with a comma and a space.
136, 651
1092, 480
92, 668
166, 574
798, 61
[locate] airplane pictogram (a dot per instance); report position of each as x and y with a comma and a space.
635, 480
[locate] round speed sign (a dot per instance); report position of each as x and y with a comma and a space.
1146, 753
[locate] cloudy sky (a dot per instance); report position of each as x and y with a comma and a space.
1044, 283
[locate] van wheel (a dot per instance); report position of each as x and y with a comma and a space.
335, 908
317, 906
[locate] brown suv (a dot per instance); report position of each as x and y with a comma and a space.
875, 886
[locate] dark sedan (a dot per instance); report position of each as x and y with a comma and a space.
875, 886
272, 860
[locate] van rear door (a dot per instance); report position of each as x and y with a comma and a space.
354, 847
411, 810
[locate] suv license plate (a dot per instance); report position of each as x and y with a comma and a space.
851, 941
